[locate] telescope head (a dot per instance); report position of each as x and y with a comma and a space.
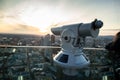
81, 29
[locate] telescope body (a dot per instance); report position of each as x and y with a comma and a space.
71, 57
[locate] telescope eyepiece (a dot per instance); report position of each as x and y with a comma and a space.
97, 24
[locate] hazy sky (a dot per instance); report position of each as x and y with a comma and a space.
38, 16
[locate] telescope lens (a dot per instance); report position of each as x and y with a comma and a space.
98, 24
66, 38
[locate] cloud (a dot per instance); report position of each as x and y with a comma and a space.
18, 29
43, 12
6, 27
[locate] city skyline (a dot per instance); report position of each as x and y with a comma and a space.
38, 16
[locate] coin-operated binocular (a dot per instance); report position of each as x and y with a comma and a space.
71, 57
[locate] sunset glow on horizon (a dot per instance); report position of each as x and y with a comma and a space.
38, 16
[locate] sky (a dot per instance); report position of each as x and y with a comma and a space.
39, 16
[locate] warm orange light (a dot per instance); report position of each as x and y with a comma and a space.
42, 18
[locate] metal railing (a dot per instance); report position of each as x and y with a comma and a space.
23, 60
